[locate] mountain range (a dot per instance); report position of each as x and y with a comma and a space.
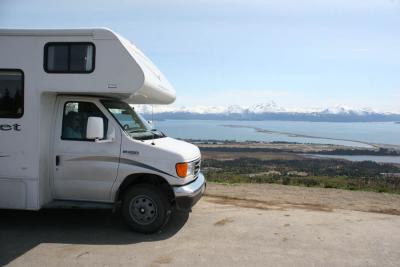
266, 111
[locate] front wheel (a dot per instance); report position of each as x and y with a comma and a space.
145, 208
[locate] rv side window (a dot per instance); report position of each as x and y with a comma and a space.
11, 93
69, 57
75, 119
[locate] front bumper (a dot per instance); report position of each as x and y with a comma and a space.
187, 196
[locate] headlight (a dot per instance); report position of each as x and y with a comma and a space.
190, 170
185, 169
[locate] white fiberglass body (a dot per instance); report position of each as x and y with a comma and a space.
39, 163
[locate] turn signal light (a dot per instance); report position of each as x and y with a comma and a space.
181, 169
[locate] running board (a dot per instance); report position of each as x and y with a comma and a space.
71, 204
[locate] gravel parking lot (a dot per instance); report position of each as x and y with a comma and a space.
222, 230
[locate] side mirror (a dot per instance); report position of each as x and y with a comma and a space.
95, 128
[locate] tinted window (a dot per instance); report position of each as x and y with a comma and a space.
69, 58
75, 119
57, 58
81, 58
11, 94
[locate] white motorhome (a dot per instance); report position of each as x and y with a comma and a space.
68, 135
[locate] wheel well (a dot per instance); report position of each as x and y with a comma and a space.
145, 178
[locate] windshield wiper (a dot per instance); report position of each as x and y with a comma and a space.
159, 133
137, 131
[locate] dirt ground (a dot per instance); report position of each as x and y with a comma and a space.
282, 196
253, 225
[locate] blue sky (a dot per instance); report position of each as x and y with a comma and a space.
301, 54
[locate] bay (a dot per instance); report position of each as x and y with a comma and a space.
359, 134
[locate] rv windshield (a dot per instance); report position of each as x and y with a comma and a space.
132, 123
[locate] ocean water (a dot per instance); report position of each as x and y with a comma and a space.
359, 134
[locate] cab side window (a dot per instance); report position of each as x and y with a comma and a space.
75, 119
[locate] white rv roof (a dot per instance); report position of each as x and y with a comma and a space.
147, 84
103, 33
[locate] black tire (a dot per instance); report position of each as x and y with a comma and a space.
146, 208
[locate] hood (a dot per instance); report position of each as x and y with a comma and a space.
187, 151
160, 158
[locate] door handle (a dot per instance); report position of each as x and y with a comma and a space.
57, 160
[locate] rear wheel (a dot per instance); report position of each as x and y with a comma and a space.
146, 208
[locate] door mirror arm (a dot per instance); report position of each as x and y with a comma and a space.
110, 137
104, 141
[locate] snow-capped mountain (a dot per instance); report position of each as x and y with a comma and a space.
266, 111
267, 107
233, 109
345, 110
270, 107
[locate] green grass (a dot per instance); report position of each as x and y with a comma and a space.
376, 184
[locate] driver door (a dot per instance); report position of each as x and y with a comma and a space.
84, 169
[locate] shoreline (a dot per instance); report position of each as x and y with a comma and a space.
289, 147
289, 134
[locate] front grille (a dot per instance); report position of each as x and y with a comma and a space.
197, 167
